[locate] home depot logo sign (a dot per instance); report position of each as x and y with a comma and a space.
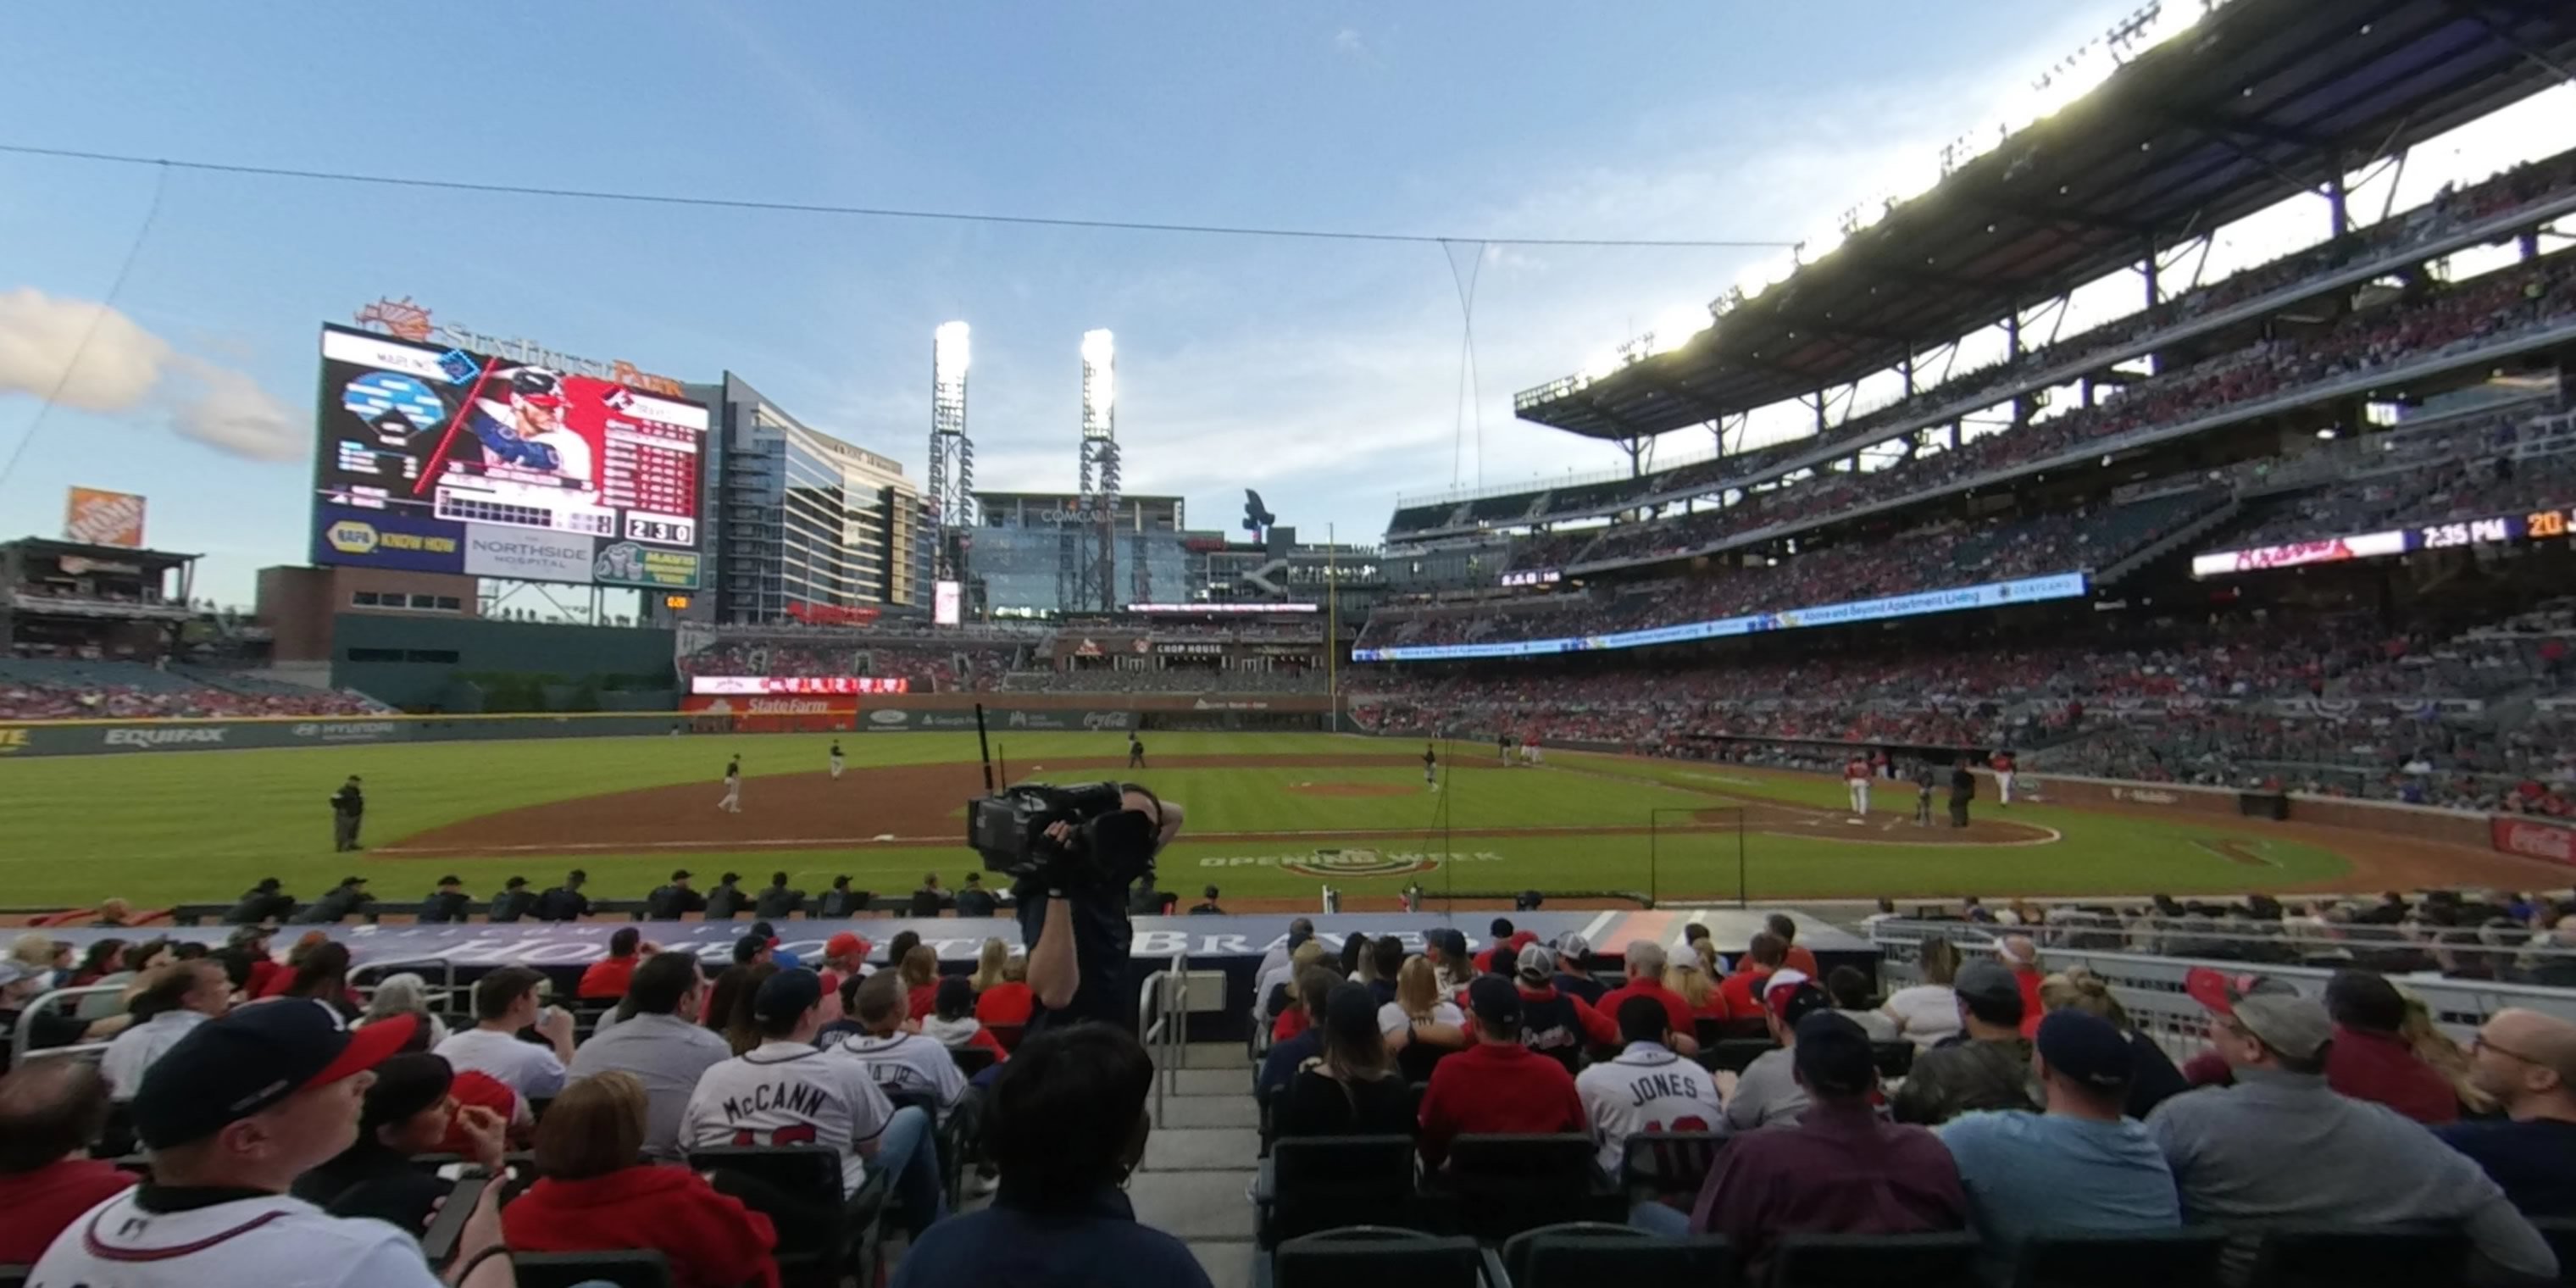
405, 319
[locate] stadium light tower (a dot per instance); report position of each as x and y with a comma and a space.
1100, 465
952, 454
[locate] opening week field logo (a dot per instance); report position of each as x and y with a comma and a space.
1347, 863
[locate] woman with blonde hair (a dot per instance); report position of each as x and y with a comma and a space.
2152, 1076
990, 963
2434, 1047
1926, 1013
1689, 977
594, 1193
1420, 1025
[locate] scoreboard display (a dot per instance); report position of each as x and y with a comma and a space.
437, 459
2450, 534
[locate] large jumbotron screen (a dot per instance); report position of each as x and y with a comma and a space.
435, 459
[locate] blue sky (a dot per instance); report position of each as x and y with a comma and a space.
1325, 374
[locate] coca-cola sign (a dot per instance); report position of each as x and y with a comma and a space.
2534, 839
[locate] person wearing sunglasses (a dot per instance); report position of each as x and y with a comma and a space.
2527, 1061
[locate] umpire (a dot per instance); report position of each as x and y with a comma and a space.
1963, 788
348, 805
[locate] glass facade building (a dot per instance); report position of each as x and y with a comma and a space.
805, 518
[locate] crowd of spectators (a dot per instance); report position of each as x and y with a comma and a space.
1949, 553
49, 689
2450, 210
2520, 298
924, 668
1168, 679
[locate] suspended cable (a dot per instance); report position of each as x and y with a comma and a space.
864, 212
106, 305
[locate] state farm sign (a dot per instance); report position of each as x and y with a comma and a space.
2534, 840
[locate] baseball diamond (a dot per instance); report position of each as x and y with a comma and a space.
1271, 817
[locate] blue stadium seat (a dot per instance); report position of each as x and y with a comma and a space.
2311, 1256
1376, 1255
1875, 1261
1589, 1255
1316, 1183
2181, 1258
1504, 1184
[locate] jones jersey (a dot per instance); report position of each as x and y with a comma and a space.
1647, 1089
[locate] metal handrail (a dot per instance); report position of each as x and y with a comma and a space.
18, 1052
2143, 934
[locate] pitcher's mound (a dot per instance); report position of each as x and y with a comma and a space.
1352, 789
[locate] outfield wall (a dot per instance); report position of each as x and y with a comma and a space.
873, 713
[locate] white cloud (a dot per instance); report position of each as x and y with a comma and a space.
1350, 44
120, 362
117, 367
229, 412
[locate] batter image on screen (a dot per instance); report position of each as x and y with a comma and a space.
525, 427
436, 459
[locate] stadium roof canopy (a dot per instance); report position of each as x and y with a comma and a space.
2262, 99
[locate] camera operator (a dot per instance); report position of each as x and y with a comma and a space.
1073, 916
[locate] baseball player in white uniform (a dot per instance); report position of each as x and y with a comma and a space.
732, 802
2002, 764
1856, 781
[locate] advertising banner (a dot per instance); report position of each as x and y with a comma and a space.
2027, 590
741, 684
2534, 839
357, 538
521, 555
624, 563
945, 600
103, 518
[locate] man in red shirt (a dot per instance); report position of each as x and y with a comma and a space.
1507, 942
2002, 764
1856, 781
1496, 1085
2369, 1061
252, 943
1798, 958
844, 955
1644, 960
1743, 989
607, 978
49, 1112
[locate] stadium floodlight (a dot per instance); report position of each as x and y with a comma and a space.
950, 351
1099, 380
1675, 326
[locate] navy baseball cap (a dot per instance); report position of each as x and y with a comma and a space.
2086, 1048
1832, 1055
252, 1059
1495, 1000
787, 994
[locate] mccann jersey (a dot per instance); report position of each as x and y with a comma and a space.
272, 1240
909, 1065
788, 1093
1647, 1089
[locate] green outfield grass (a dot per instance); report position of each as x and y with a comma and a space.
201, 826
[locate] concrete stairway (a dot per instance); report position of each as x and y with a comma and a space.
1199, 1163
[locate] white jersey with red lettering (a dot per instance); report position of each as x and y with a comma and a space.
272, 1240
1647, 1089
788, 1093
